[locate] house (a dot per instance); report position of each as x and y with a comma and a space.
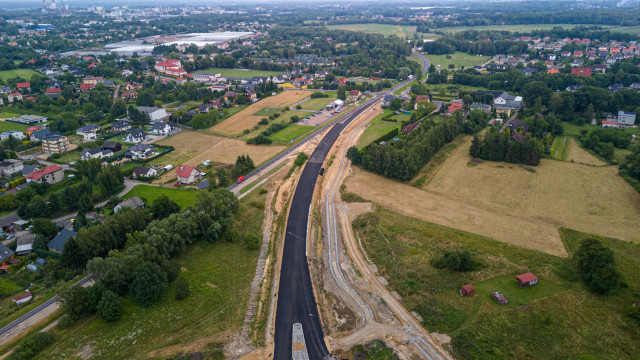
57, 243
454, 106
87, 87
168, 66
135, 136
6, 254
51, 174
144, 172
133, 203
55, 144
23, 86
26, 170
526, 279
91, 80
355, 94
24, 244
129, 95
28, 119
12, 133
133, 86
609, 123
518, 137
516, 124
466, 290
4, 90
573, 88
508, 100
163, 129
188, 174
614, 88
139, 151
482, 107
31, 129
98, 153
626, 118
120, 126
53, 93
39, 135
230, 96
109, 83
251, 94
154, 113
14, 97
409, 127
8, 167
586, 72
88, 132
6, 223
23, 298
499, 298
112, 145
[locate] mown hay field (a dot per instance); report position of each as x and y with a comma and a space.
510, 203
246, 118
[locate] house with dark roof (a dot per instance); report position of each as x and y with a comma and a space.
135, 136
39, 135
162, 128
6, 254
112, 145
140, 151
97, 153
120, 126
57, 243
134, 202
88, 132
144, 172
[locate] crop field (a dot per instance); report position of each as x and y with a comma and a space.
239, 73
183, 197
246, 118
291, 132
219, 276
555, 319
23, 73
384, 29
511, 203
512, 28
458, 59
194, 147
376, 128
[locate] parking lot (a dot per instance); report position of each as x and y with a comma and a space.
319, 117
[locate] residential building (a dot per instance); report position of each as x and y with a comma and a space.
112, 145
57, 243
55, 144
31, 129
129, 95
626, 118
23, 86
585, 72
98, 153
92, 80
23, 298
28, 119
135, 136
120, 126
526, 279
133, 203
466, 290
144, 172
39, 135
609, 123
9, 167
140, 151
24, 244
51, 174
230, 96
53, 93
14, 97
162, 128
89, 132
188, 174
6, 254
12, 133
154, 113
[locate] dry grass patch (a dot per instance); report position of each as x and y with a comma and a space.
510, 204
579, 155
245, 119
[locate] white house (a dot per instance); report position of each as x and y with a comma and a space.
188, 174
626, 118
99, 153
21, 299
9, 167
154, 113
140, 151
144, 172
120, 126
135, 136
162, 128
88, 132
12, 133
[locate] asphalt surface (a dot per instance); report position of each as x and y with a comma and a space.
296, 300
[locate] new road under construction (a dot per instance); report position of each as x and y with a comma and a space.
297, 315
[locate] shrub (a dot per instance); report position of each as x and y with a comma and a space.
300, 159
182, 290
32, 345
110, 307
252, 241
596, 263
263, 121
455, 261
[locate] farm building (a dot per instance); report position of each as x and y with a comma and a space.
526, 279
499, 297
466, 290
21, 299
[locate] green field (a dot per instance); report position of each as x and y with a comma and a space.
219, 275
23, 73
291, 132
377, 128
68, 157
6, 126
458, 59
384, 29
267, 111
183, 197
512, 28
237, 73
319, 103
540, 322
560, 148
573, 130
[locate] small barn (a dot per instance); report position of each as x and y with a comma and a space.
499, 298
466, 290
21, 299
526, 279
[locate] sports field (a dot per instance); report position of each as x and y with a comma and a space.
458, 59
384, 29
23, 73
247, 118
239, 73
511, 203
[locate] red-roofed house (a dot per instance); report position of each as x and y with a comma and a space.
188, 174
86, 87
526, 279
31, 129
453, 107
553, 71
23, 86
51, 174
342, 81
586, 72
171, 67
409, 127
14, 97
93, 64
54, 93
355, 94
129, 95
607, 123
21, 299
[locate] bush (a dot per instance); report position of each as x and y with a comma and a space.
110, 307
300, 159
252, 241
596, 263
182, 290
263, 121
32, 345
455, 261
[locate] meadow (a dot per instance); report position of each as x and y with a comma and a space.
23, 73
6, 126
384, 29
458, 59
182, 197
377, 128
239, 73
291, 132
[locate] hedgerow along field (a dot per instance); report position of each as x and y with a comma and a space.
558, 318
523, 206
219, 276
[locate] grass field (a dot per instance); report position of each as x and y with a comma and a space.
384, 29
219, 275
560, 148
512, 28
625, 29
183, 197
6, 126
238, 73
23, 73
376, 128
68, 157
574, 130
509, 203
246, 118
319, 103
556, 319
458, 59
291, 132
267, 111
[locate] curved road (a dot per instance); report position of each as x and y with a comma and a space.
296, 300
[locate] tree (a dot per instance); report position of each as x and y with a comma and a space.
342, 93
301, 158
476, 147
110, 306
396, 104
32, 345
92, 297
74, 302
222, 176
354, 155
181, 286
85, 204
149, 283
596, 263
88, 169
45, 227
163, 206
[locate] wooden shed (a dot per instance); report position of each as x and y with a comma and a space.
466, 290
526, 279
